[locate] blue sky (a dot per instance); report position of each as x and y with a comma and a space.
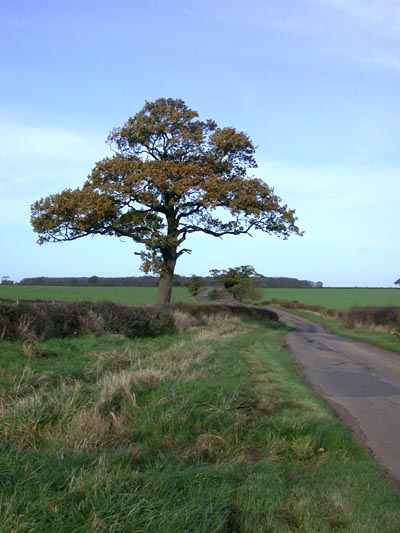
315, 83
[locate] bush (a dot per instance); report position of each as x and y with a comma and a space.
27, 321
373, 317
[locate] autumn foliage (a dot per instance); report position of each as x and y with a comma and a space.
171, 175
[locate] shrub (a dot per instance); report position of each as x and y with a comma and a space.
387, 318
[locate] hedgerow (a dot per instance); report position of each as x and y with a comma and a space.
387, 318
22, 321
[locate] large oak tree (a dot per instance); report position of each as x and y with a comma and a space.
171, 175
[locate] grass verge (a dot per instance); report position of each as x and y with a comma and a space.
211, 430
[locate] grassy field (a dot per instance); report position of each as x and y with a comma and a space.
121, 295
212, 430
337, 298
329, 298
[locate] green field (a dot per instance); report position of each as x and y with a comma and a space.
208, 431
337, 298
121, 295
329, 298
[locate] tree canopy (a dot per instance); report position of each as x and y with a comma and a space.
240, 282
171, 175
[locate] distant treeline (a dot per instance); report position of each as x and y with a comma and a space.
152, 281
288, 283
93, 281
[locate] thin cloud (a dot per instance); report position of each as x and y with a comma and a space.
18, 140
38, 160
336, 191
383, 59
36, 157
382, 16
364, 32
355, 32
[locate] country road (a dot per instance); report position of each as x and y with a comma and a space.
360, 381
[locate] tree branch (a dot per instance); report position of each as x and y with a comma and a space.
194, 229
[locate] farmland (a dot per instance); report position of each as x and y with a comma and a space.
329, 298
337, 298
120, 295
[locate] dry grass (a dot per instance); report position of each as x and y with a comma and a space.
40, 417
105, 424
220, 330
383, 328
92, 430
183, 321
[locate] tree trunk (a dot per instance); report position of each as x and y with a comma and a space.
165, 285
169, 256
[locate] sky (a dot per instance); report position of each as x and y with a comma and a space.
314, 83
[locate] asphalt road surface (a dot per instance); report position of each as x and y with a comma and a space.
360, 381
